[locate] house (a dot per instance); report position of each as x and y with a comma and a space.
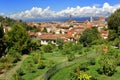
104, 34
32, 34
45, 38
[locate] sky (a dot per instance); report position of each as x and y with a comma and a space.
45, 9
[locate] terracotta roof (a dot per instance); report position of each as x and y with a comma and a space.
31, 33
54, 36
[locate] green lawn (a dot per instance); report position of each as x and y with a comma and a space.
56, 58
64, 73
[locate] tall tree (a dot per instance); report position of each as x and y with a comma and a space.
1, 31
18, 39
89, 36
2, 45
114, 23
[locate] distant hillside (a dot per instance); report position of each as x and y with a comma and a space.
61, 19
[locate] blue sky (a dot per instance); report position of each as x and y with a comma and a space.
10, 7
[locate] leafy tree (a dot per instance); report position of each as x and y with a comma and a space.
44, 30
71, 57
112, 35
20, 72
116, 42
89, 36
37, 56
35, 44
60, 43
107, 65
2, 41
114, 25
69, 49
31, 68
114, 20
15, 54
1, 31
18, 39
47, 48
41, 64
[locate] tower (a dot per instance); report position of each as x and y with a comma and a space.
70, 17
91, 19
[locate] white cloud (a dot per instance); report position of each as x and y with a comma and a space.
39, 13
2, 14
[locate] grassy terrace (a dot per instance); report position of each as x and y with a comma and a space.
64, 73
38, 74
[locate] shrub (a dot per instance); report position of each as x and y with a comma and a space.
47, 48
15, 54
84, 66
31, 68
92, 61
50, 63
37, 56
17, 77
71, 57
107, 65
7, 61
41, 64
20, 72
83, 76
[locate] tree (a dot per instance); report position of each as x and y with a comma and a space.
47, 48
107, 65
114, 20
114, 24
89, 36
35, 44
69, 50
2, 41
112, 35
18, 39
60, 43
1, 31
44, 30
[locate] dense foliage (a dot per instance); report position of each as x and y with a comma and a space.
114, 25
2, 41
17, 38
114, 20
89, 36
107, 65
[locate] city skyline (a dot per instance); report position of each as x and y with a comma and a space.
53, 9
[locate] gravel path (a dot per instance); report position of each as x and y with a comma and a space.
9, 74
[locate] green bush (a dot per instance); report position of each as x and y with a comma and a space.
50, 63
91, 61
7, 61
20, 72
107, 65
17, 77
31, 68
84, 66
37, 56
15, 54
47, 48
71, 57
41, 64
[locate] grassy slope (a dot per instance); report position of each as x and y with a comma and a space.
57, 58
64, 73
